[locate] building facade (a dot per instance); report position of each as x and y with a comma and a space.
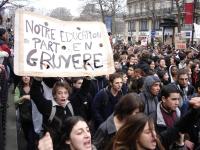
144, 17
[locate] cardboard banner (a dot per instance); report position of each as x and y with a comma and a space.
48, 47
197, 30
144, 42
180, 45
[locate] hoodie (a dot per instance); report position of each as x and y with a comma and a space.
150, 101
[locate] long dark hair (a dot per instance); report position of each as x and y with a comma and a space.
129, 133
67, 127
21, 83
127, 104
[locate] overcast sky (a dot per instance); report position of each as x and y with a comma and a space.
73, 5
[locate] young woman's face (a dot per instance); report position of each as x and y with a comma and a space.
174, 70
26, 79
61, 96
166, 76
172, 61
78, 83
147, 139
80, 137
152, 65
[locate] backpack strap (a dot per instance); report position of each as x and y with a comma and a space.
70, 108
53, 112
105, 97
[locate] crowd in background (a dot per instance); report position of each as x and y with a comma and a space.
150, 102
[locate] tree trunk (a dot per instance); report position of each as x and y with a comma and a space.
153, 23
113, 18
179, 16
102, 12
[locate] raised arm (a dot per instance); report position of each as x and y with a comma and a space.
44, 106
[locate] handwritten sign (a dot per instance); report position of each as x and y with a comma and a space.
180, 45
144, 42
197, 30
48, 47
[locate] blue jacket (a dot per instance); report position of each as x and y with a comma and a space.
103, 105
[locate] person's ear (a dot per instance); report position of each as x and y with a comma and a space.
68, 142
163, 99
54, 97
198, 88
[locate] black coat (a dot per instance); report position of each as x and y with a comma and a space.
104, 134
45, 106
81, 100
184, 125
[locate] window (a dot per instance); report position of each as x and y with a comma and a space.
143, 7
157, 5
157, 25
131, 26
197, 4
137, 8
143, 25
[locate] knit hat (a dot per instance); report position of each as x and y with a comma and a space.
2, 31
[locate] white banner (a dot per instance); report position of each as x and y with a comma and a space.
197, 30
48, 47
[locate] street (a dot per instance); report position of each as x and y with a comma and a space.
11, 132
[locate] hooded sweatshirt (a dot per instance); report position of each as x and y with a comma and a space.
150, 101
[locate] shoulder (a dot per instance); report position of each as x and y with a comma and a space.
101, 93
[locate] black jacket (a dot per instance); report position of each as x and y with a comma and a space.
45, 106
81, 100
104, 133
170, 135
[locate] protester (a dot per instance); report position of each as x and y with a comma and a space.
81, 98
75, 136
55, 111
186, 89
4, 41
161, 65
151, 65
24, 107
124, 84
128, 105
143, 134
4, 70
149, 95
164, 77
168, 112
172, 73
195, 73
106, 99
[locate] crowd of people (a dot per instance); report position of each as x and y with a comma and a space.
151, 102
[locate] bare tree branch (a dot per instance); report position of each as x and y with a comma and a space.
3, 3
